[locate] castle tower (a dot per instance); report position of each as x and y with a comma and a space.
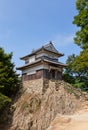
42, 65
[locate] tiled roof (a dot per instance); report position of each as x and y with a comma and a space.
42, 59
26, 65
48, 47
54, 62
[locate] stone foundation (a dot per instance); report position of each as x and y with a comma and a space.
41, 101
36, 86
33, 86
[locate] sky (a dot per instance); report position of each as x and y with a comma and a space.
28, 24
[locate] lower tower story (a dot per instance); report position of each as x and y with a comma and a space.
51, 74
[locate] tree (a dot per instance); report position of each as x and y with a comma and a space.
8, 83
68, 75
77, 71
78, 65
8, 78
81, 20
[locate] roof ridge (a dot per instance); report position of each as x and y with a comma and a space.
48, 47
50, 43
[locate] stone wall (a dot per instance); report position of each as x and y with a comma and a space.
33, 86
41, 101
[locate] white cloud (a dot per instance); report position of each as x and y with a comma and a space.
62, 40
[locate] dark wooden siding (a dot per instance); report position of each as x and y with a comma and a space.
24, 77
39, 74
46, 74
52, 74
59, 75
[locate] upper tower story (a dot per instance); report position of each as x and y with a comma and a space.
47, 51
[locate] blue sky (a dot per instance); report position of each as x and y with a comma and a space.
29, 24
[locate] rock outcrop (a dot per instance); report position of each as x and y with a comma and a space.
38, 106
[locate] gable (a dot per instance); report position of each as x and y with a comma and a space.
50, 47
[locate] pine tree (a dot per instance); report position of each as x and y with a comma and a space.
8, 78
8, 81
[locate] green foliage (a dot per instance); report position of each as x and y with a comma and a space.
78, 65
8, 78
4, 100
68, 78
77, 71
68, 75
8, 81
81, 63
81, 20
69, 62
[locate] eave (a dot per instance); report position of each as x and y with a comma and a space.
56, 63
27, 65
42, 60
41, 49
